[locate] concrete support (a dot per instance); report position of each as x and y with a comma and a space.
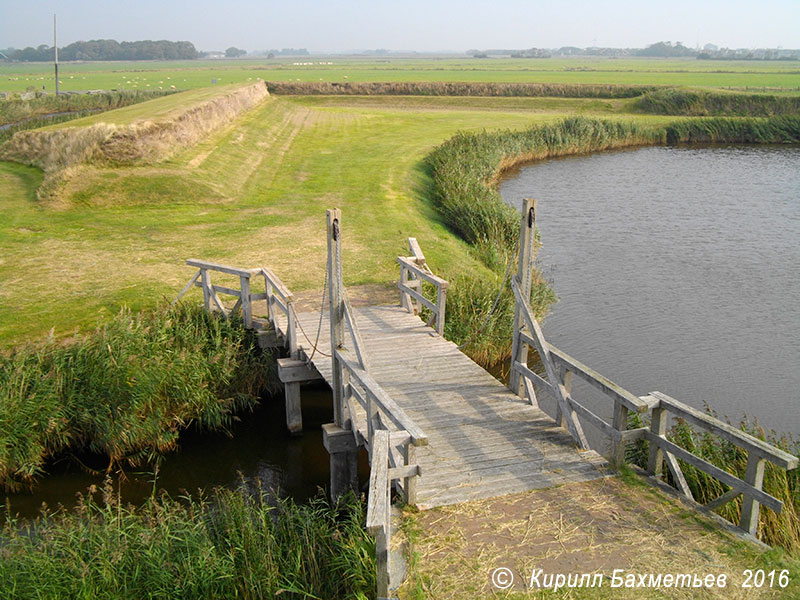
341, 445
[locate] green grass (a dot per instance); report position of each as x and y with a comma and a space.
125, 391
757, 76
236, 544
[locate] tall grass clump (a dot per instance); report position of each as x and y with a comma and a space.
691, 103
781, 529
235, 545
126, 390
435, 88
775, 130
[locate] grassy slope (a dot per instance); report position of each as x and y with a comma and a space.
192, 74
252, 194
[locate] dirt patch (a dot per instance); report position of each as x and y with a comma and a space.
592, 527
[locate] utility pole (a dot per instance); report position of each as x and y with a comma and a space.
55, 49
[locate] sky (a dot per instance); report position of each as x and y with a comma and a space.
404, 25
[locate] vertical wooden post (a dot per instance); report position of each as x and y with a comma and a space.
334, 217
519, 350
410, 483
291, 329
405, 298
658, 426
382, 563
268, 294
441, 302
754, 475
620, 423
247, 308
566, 378
206, 280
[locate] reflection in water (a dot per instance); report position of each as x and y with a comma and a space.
259, 450
677, 270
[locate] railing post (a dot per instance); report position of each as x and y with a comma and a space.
658, 427
410, 483
754, 475
406, 299
247, 309
334, 217
519, 350
441, 301
620, 423
565, 377
205, 278
268, 293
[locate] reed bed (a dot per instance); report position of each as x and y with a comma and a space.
432, 88
776, 130
237, 544
690, 103
126, 390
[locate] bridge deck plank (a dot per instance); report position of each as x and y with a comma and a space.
483, 440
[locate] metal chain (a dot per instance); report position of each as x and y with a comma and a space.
496, 300
319, 324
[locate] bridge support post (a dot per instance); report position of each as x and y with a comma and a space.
519, 350
341, 445
334, 217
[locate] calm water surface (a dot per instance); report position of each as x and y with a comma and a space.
259, 450
678, 270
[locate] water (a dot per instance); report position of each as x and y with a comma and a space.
260, 449
678, 270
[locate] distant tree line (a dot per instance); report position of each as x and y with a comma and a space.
110, 50
662, 49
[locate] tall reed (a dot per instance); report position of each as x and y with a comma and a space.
233, 545
776, 529
692, 103
126, 390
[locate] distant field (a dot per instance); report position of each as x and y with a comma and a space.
784, 75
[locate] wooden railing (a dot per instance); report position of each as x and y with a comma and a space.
362, 406
758, 452
413, 272
559, 368
276, 295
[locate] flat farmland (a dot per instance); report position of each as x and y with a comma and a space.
752, 75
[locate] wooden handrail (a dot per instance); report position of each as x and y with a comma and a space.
202, 264
394, 413
413, 272
728, 432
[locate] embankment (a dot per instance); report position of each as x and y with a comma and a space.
60, 151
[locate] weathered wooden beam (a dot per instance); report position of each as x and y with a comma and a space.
573, 425
417, 296
728, 496
714, 471
754, 475
292, 370
527, 233
378, 502
389, 407
188, 286
203, 264
596, 380
420, 272
728, 432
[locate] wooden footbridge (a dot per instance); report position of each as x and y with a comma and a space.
438, 428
